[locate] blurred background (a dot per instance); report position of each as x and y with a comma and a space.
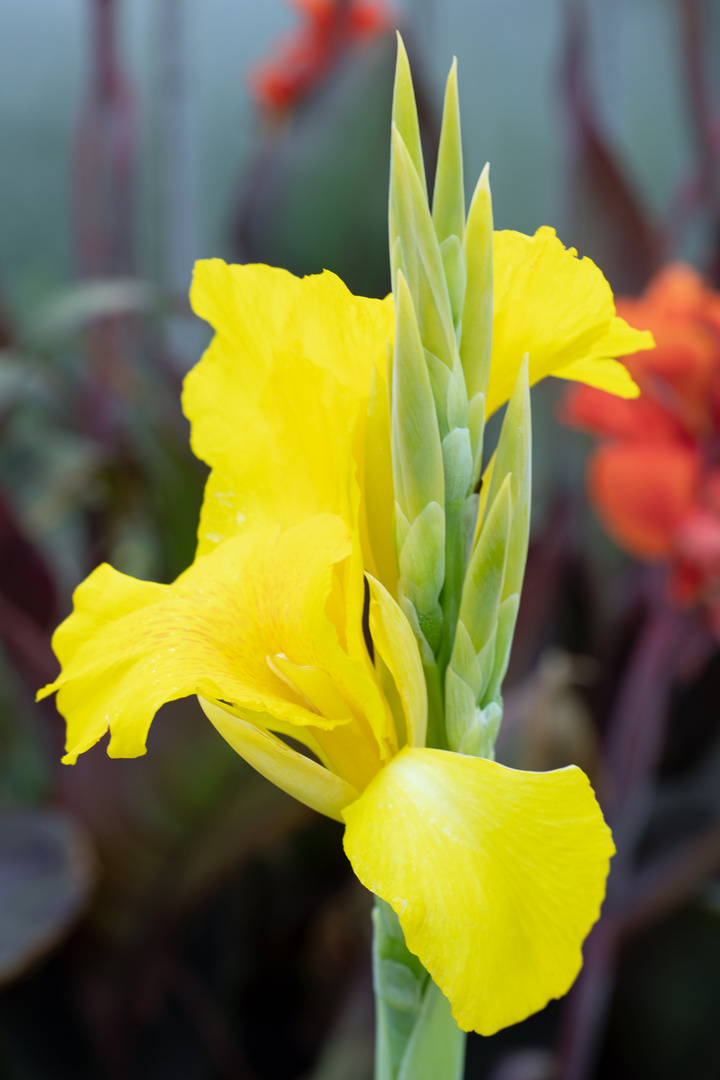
176, 916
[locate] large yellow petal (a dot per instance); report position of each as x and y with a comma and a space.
222, 631
496, 875
558, 309
277, 404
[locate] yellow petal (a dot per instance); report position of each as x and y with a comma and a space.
394, 640
496, 875
376, 481
290, 460
277, 404
300, 776
211, 633
560, 310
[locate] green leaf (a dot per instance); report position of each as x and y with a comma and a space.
436, 1050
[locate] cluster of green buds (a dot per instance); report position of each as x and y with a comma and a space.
461, 536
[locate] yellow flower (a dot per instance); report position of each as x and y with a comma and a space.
496, 875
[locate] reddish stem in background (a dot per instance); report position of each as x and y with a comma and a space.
693, 27
104, 156
103, 168
667, 642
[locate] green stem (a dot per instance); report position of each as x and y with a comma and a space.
417, 1038
436, 735
454, 577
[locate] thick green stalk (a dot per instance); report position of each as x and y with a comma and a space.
417, 1037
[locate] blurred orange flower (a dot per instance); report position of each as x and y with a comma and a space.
303, 58
655, 479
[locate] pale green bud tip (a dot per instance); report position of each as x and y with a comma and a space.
404, 111
449, 194
477, 316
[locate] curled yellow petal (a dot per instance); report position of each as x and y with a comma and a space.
559, 309
394, 640
496, 875
296, 774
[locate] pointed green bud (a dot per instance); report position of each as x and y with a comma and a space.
422, 570
420, 256
449, 193
457, 463
404, 112
470, 729
453, 257
483, 588
507, 617
514, 458
477, 315
476, 423
416, 449
449, 197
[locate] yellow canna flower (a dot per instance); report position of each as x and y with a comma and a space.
496, 875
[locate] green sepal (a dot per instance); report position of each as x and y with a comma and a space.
477, 315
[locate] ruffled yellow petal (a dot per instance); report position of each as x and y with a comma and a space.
225, 630
300, 776
395, 642
496, 875
608, 375
278, 402
560, 310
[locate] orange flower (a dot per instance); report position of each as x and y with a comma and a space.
307, 55
655, 480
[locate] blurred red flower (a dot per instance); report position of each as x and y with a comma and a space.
303, 58
655, 478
